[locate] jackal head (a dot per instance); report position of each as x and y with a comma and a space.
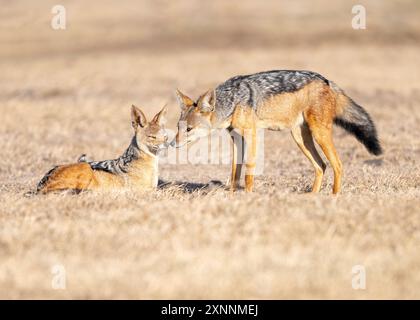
151, 135
195, 121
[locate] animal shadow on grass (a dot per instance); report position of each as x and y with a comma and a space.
190, 187
187, 187
374, 162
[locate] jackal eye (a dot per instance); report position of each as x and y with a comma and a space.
189, 129
152, 137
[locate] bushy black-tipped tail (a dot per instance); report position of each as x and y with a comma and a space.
44, 180
355, 120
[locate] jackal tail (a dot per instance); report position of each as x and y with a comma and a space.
44, 180
355, 120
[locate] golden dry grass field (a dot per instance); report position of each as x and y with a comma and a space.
68, 92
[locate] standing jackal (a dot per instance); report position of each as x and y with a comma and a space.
302, 101
136, 168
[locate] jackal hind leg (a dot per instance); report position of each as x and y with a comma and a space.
323, 136
75, 178
303, 138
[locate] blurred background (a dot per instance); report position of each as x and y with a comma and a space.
116, 53
158, 26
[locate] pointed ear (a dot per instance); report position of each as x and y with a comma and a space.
184, 101
207, 101
160, 118
138, 119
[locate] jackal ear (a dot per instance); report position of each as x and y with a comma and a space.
207, 101
137, 118
184, 101
160, 118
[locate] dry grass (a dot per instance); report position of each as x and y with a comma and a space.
66, 93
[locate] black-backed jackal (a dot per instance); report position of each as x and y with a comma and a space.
136, 168
302, 101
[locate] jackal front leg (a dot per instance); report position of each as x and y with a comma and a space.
237, 158
250, 136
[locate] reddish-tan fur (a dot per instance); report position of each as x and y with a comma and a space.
142, 172
309, 114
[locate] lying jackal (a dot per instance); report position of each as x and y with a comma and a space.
302, 101
136, 168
